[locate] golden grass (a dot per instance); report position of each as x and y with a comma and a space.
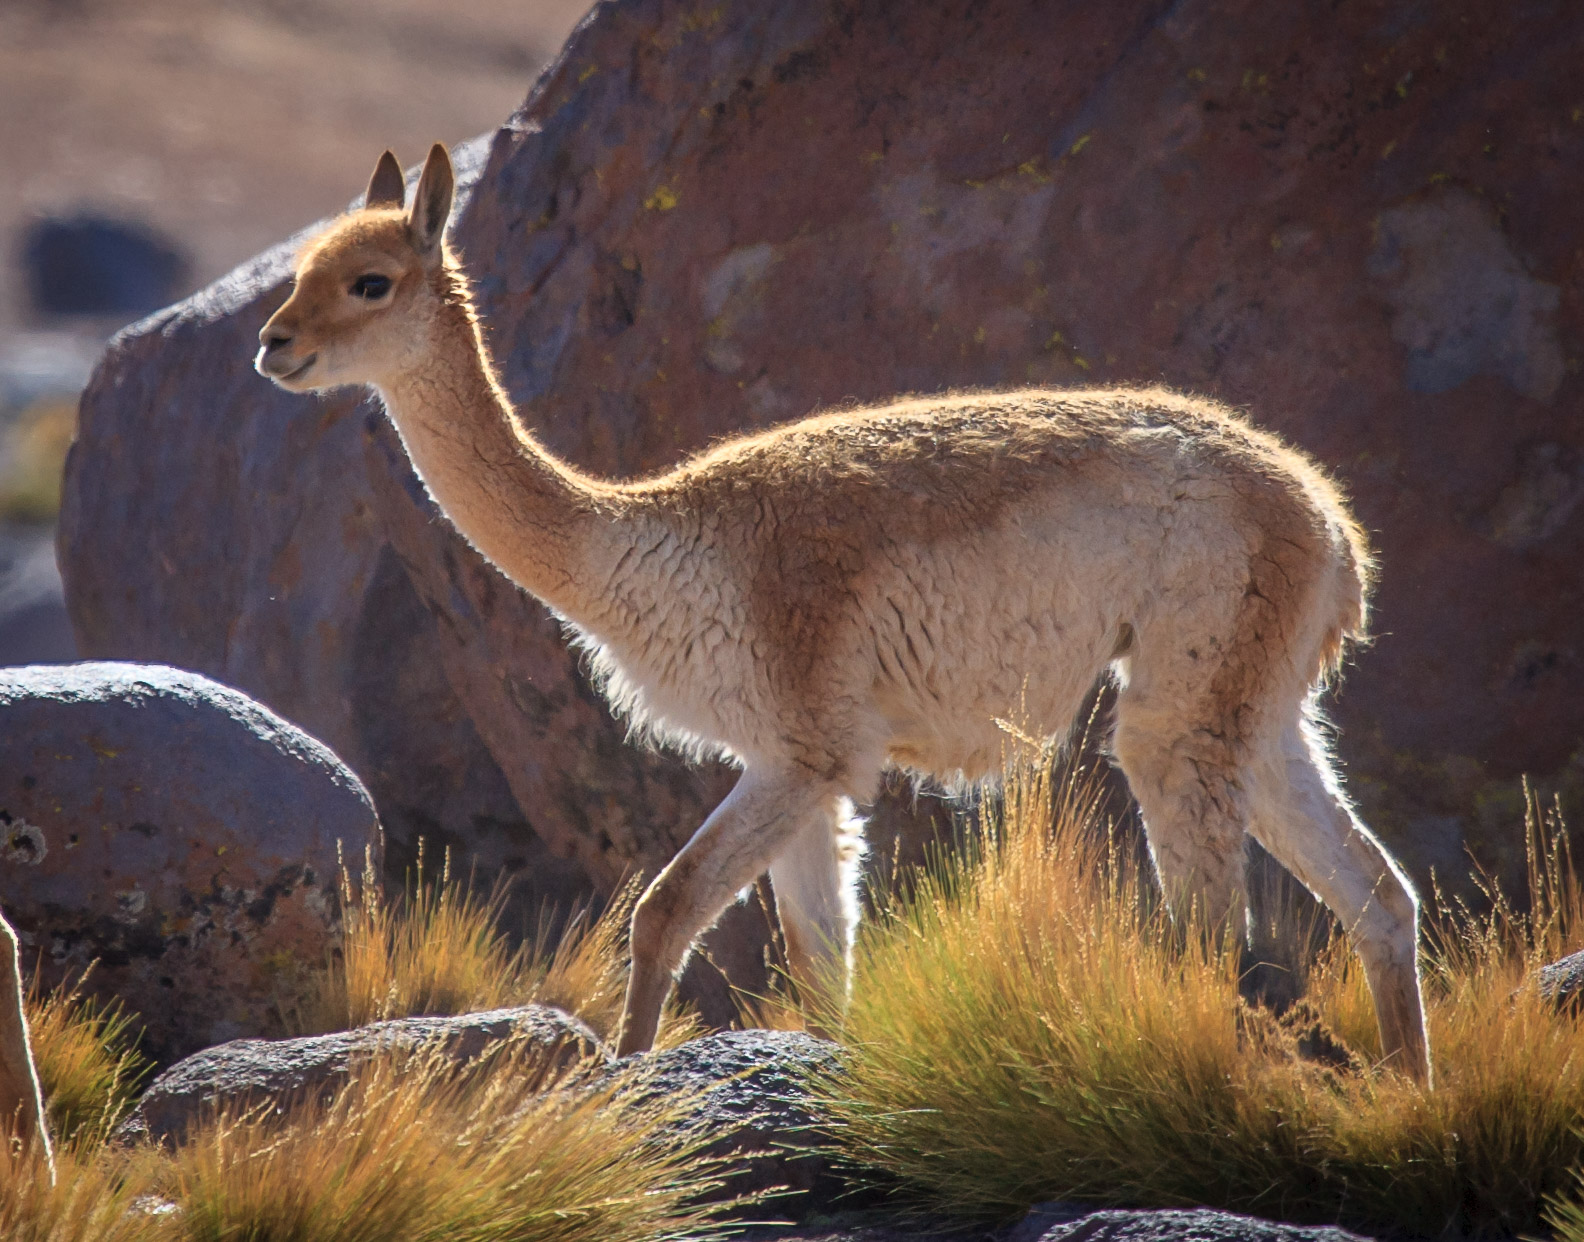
96, 1197
440, 950
1026, 1025
414, 1150
414, 1147
87, 1063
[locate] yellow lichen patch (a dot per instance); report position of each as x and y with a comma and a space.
664, 198
703, 19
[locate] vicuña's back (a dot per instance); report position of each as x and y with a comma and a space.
891, 581
881, 586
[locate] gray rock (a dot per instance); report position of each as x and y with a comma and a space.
90, 264
178, 834
252, 1070
750, 1090
1043, 1218
1197, 1225
869, 1226
1054, 1222
1562, 981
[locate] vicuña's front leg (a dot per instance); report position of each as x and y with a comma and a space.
764, 812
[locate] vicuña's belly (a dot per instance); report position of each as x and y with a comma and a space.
993, 677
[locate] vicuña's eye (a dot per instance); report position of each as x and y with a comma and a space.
371, 286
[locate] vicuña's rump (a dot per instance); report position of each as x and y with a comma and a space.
879, 586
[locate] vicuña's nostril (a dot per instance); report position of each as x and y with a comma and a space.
276, 340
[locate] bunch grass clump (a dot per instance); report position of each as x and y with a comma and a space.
413, 1149
98, 1195
440, 949
1027, 1024
87, 1059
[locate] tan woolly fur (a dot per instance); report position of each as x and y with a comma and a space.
877, 587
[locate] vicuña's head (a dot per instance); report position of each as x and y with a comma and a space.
367, 288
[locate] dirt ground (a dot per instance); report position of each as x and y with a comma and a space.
228, 124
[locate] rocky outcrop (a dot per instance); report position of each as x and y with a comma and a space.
250, 1071
1197, 1225
705, 218
753, 1094
176, 833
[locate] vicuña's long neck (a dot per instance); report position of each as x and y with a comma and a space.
533, 516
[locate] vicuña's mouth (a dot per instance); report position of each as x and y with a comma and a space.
298, 372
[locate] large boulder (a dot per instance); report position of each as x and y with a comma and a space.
247, 1072
177, 834
1356, 223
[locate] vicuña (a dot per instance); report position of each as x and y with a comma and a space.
879, 586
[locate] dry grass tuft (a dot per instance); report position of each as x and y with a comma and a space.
87, 1062
1026, 1025
440, 950
33, 456
414, 1150
97, 1197
415, 1147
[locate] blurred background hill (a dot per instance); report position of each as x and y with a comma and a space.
150, 147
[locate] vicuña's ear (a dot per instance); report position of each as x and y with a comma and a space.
432, 201
387, 187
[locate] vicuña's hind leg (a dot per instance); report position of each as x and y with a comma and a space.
815, 879
1306, 824
1179, 767
759, 818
